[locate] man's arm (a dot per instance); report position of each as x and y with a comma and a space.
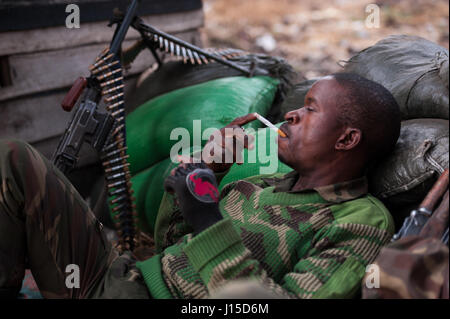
170, 224
334, 267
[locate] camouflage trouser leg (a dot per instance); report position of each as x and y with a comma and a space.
46, 223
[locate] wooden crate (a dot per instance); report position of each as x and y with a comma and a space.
43, 63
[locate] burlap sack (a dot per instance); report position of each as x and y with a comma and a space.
413, 69
420, 156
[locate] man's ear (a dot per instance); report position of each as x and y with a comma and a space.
349, 139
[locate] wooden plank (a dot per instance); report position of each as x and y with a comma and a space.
23, 15
56, 38
41, 117
40, 72
34, 119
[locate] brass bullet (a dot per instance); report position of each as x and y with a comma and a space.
114, 97
112, 106
107, 75
116, 88
111, 81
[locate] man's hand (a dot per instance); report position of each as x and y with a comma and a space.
225, 147
196, 191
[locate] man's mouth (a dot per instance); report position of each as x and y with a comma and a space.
284, 128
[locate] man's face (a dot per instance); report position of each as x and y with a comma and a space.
312, 131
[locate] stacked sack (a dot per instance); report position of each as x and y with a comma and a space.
416, 72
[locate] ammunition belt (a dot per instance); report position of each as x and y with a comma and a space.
108, 70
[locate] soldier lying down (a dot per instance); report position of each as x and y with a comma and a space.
307, 234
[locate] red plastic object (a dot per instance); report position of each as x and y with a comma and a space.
72, 96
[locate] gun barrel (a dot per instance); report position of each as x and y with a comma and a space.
436, 192
186, 46
117, 41
438, 223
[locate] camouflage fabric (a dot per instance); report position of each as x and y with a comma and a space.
335, 193
412, 267
309, 244
45, 225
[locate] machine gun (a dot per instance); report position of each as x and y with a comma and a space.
106, 132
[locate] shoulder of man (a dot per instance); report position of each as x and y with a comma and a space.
365, 210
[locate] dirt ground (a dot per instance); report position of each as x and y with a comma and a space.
314, 35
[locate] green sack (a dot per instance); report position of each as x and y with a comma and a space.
148, 190
216, 103
174, 75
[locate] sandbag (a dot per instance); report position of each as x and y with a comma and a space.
216, 103
420, 156
175, 75
295, 99
148, 191
413, 69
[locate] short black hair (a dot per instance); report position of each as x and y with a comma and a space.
370, 107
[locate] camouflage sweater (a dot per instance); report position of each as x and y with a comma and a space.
309, 244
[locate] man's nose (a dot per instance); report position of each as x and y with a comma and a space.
292, 117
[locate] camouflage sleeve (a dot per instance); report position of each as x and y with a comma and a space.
170, 226
333, 268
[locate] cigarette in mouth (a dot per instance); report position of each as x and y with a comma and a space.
270, 125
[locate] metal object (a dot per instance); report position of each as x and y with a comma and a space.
114, 97
108, 75
115, 105
188, 52
105, 132
100, 68
104, 84
438, 223
414, 224
172, 48
166, 45
116, 88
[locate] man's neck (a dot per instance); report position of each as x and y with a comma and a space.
325, 175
